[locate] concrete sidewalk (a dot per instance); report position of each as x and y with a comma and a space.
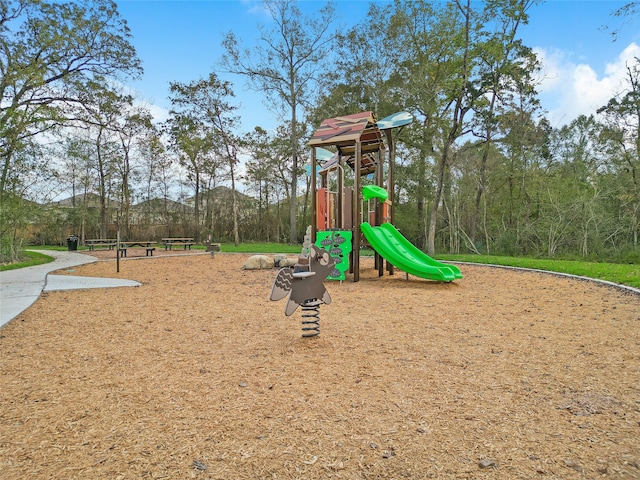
21, 287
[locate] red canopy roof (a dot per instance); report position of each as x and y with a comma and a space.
346, 130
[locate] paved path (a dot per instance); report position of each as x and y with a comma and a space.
21, 287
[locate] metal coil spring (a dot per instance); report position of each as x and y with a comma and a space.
311, 318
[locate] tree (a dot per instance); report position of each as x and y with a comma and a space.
205, 103
157, 178
101, 114
49, 49
427, 66
570, 216
134, 124
505, 66
437, 63
366, 63
627, 13
193, 144
622, 117
155, 163
518, 178
286, 65
262, 179
78, 174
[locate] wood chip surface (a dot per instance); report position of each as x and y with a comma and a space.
196, 374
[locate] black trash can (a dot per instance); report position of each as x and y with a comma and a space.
72, 243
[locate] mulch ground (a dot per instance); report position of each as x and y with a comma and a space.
196, 374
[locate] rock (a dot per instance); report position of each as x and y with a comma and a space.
569, 462
389, 453
288, 262
278, 258
258, 262
486, 463
306, 244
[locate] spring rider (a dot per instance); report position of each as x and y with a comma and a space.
304, 285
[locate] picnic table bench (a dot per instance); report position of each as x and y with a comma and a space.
148, 245
92, 243
169, 243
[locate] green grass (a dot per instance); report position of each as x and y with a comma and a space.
260, 248
625, 274
58, 248
33, 258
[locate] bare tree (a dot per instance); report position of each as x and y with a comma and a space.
286, 65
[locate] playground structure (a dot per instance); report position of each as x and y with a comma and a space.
349, 215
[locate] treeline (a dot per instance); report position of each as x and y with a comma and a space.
479, 170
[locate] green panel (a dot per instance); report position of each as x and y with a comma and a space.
338, 244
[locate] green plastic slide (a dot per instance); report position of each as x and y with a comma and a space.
400, 252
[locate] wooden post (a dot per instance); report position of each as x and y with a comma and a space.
314, 205
390, 185
356, 210
379, 205
340, 221
118, 251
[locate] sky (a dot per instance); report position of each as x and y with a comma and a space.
181, 40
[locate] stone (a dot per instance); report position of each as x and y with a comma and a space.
258, 262
486, 463
571, 463
288, 262
306, 244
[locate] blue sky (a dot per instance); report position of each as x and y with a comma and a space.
180, 40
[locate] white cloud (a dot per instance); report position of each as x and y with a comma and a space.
568, 90
255, 7
159, 113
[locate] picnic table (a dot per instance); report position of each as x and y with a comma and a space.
169, 243
146, 244
92, 243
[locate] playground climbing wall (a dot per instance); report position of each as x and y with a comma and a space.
338, 244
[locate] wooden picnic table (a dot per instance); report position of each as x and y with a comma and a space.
171, 241
147, 244
92, 243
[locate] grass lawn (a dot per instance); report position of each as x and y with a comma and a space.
626, 274
33, 258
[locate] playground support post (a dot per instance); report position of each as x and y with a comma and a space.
357, 213
314, 204
379, 209
390, 184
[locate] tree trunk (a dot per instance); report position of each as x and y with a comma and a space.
293, 206
482, 173
433, 218
421, 238
234, 202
